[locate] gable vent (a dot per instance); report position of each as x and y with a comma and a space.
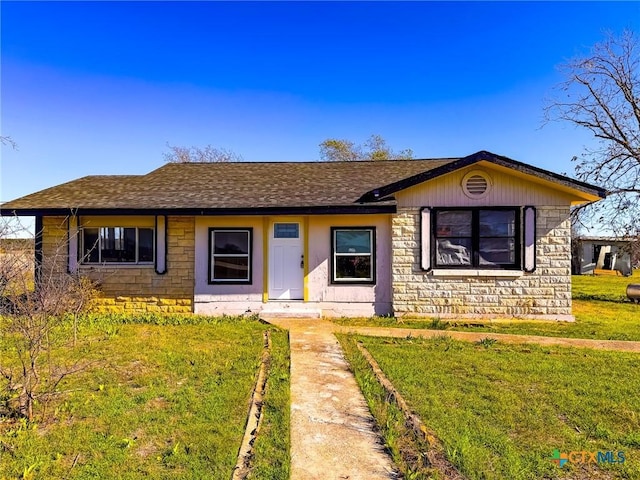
476, 184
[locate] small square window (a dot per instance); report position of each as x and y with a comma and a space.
286, 230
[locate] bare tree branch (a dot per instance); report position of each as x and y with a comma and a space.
601, 93
34, 311
6, 140
207, 154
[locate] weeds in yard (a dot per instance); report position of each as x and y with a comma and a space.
109, 320
407, 451
437, 324
473, 399
169, 400
487, 342
271, 448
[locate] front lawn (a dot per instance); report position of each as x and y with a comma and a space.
600, 306
159, 401
501, 410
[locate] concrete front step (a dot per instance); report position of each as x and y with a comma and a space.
289, 310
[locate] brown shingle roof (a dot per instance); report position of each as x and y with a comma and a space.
248, 186
244, 185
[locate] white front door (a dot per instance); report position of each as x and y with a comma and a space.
286, 261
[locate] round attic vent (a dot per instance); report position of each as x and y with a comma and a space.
476, 184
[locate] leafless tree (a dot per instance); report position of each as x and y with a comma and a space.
374, 148
207, 154
601, 93
37, 307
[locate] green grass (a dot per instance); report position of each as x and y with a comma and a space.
271, 449
501, 410
611, 288
600, 307
160, 401
407, 451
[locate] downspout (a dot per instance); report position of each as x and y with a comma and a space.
38, 250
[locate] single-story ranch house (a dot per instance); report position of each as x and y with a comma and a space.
482, 235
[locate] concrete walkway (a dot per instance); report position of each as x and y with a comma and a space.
618, 345
332, 430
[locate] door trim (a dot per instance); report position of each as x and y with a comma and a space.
269, 227
305, 250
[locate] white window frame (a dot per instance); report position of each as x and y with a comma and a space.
334, 256
213, 256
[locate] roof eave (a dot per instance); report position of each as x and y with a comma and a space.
360, 208
585, 191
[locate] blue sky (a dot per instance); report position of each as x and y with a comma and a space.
100, 88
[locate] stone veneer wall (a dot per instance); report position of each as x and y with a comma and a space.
135, 289
545, 293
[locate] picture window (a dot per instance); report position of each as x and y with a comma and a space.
128, 245
477, 238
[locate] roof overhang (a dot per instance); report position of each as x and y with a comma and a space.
580, 191
580, 196
360, 209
